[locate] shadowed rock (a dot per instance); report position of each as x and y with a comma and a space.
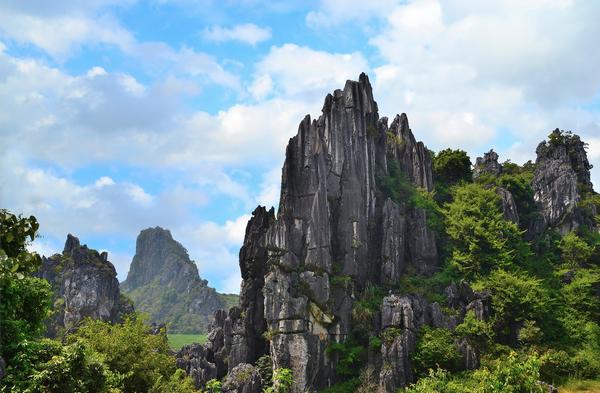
85, 285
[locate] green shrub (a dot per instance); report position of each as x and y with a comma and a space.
479, 333
179, 382
390, 334
129, 349
435, 348
574, 250
283, 379
516, 296
396, 184
350, 357
214, 386
48, 366
480, 237
349, 386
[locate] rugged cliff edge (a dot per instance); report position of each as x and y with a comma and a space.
164, 282
85, 285
338, 233
347, 228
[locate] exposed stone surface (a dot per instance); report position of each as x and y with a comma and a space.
340, 231
334, 220
243, 378
562, 176
408, 314
198, 363
163, 281
237, 336
509, 206
488, 165
85, 285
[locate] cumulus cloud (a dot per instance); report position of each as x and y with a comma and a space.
285, 67
59, 33
247, 33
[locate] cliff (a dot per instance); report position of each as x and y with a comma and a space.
85, 285
164, 282
327, 276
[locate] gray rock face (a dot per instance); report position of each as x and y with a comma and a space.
335, 220
237, 337
244, 378
198, 363
338, 231
561, 177
85, 285
488, 165
407, 314
164, 282
509, 206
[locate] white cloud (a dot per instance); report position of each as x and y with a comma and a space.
472, 74
270, 188
232, 284
261, 86
331, 13
60, 35
248, 33
286, 67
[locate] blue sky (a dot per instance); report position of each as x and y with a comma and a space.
120, 115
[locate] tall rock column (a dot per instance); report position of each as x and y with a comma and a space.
335, 221
562, 177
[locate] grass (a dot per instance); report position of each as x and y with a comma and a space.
580, 387
176, 341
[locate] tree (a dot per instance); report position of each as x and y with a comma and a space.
481, 238
452, 166
574, 250
435, 348
15, 234
26, 300
129, 350
516, 297
48, 366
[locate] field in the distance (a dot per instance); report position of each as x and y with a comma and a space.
176, 341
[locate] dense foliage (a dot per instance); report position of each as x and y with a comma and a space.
451, 167
543, 322
544, 292
481, 238
98, 357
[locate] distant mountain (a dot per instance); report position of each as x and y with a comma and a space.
164, 283
85, 285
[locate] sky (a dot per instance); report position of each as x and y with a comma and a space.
118, 115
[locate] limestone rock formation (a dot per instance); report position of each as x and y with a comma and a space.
85, 285
343, 217
561, 179
509, 206
244, 378
335, 219
488, 165
347, 228
164, 282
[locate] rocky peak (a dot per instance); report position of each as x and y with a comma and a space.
561, 179
164, 282
158, 254
488, 164
345, 223
71, 244
85, 285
